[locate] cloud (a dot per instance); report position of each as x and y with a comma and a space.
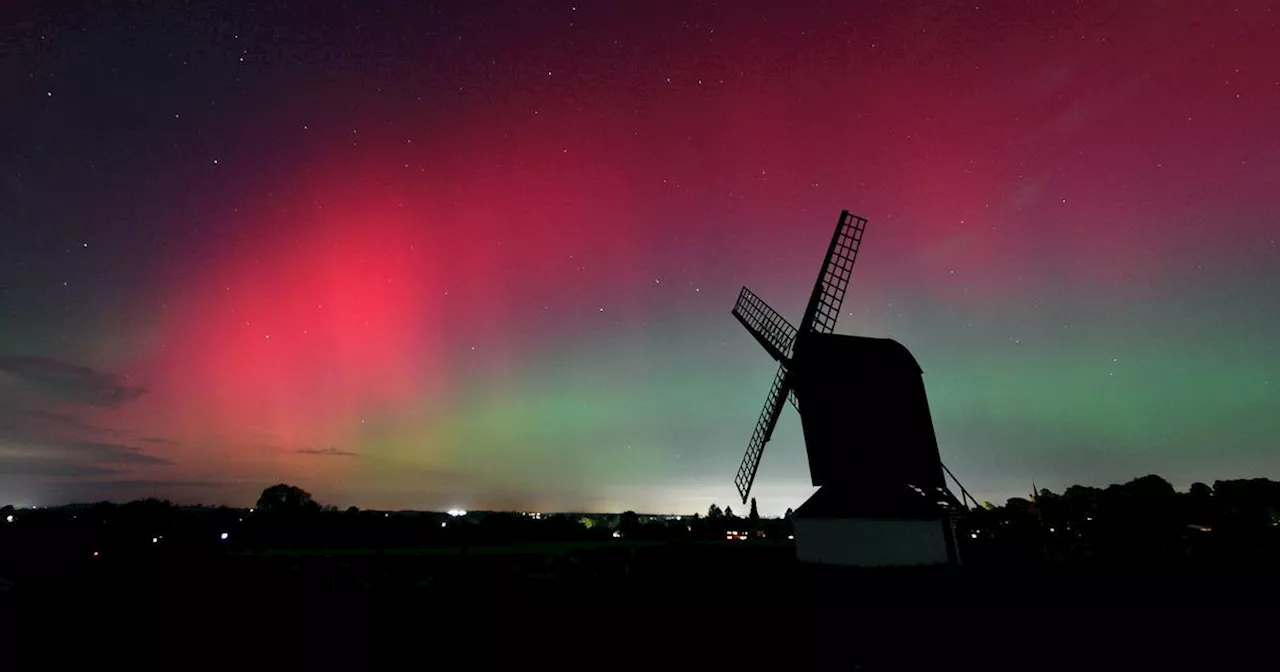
148, 484
47, 420
161, 441
110, 453
29, 466
58, 492
333, 452
70, 382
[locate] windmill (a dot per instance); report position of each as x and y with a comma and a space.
882, 497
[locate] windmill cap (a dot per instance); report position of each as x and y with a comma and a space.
868, 354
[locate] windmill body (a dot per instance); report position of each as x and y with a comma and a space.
868, 433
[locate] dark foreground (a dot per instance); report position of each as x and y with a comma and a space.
316, 585
344, 609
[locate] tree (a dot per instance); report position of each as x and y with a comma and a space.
714, 512
789, 513
1201, 491
1151, 486
728, 512
754, 516
286, 498
628, 523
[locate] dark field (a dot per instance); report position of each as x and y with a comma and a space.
318, 583
354, 608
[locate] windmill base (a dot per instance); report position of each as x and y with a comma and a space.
836, 527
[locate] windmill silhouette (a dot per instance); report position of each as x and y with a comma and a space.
882, 497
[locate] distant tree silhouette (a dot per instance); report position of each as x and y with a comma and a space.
789, 513
1017, 503
286, 498
1199, 505
714, 512
728, 512
1149, 486
353, 509
629, 523
754, 516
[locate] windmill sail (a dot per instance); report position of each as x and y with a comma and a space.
772, 330
763, 432
833, 280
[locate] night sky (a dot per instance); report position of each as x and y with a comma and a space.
482, 255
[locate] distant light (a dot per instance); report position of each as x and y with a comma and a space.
155, 540
95, 554
457, 512
617, 535
250, 510
1088, 517
444, 524
8, 519
1051, 529
791, 536
224, 536
973, 535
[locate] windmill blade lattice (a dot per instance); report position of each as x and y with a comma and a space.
763, 432
833, 280
771, 329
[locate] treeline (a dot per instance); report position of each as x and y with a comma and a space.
287, 518
1144, 522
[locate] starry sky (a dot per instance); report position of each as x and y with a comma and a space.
482, 254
